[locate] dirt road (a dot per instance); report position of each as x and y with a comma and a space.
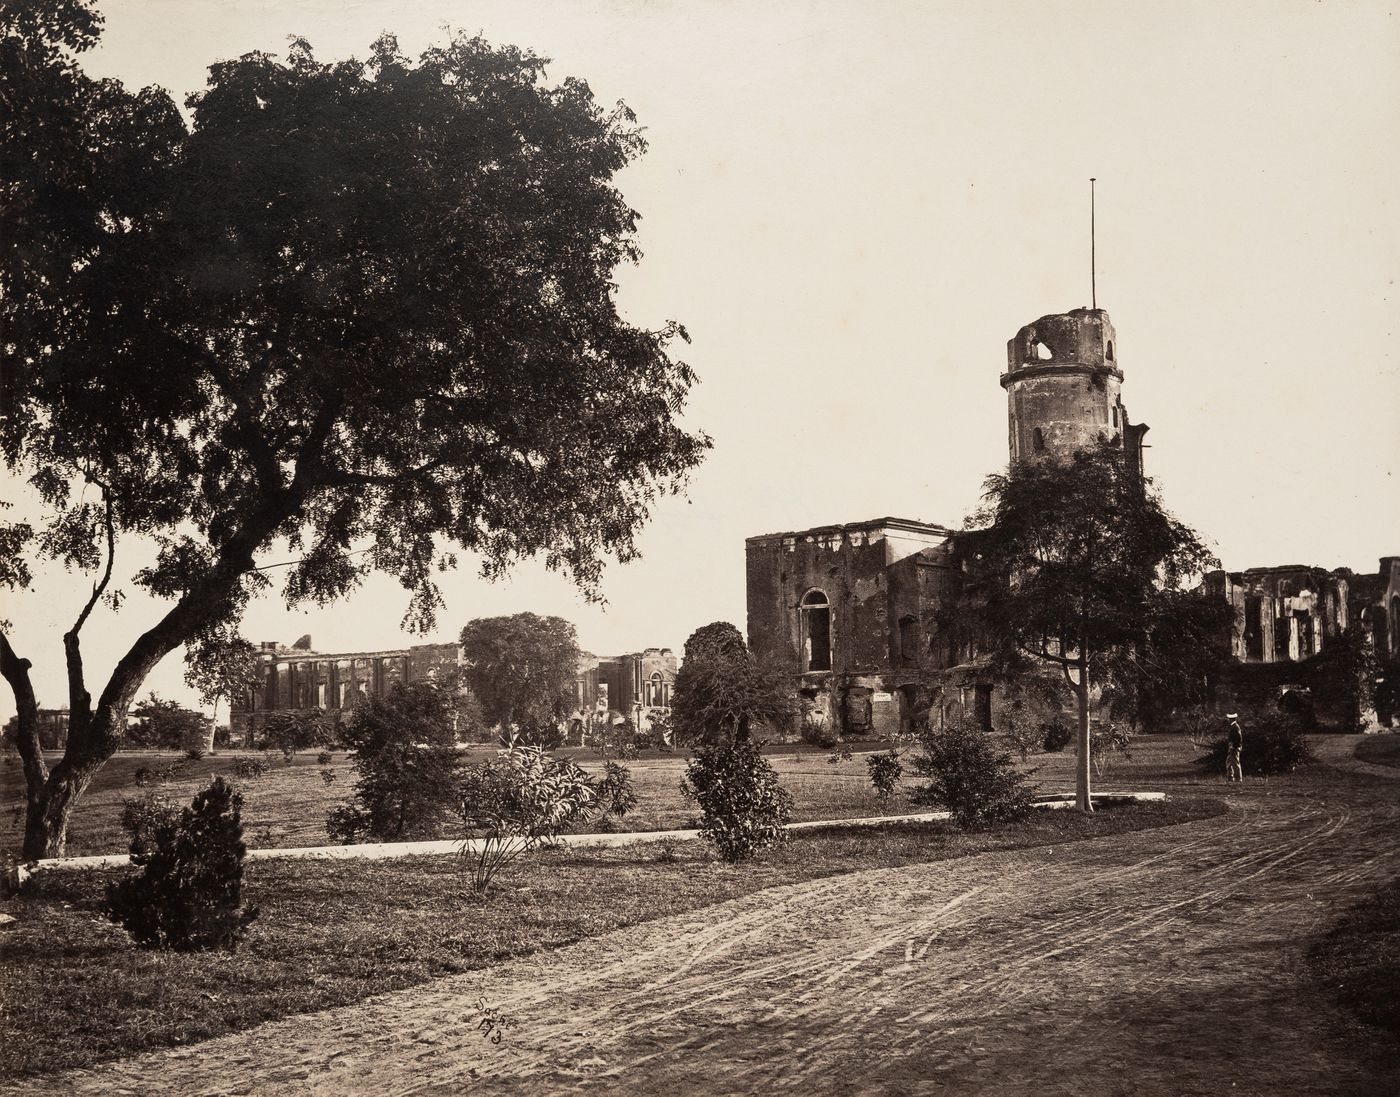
1160, 962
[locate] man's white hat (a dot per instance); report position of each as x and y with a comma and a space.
1232, 716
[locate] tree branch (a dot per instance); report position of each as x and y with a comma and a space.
16, 671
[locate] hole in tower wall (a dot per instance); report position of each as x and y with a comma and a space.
1108, 351
1043, 353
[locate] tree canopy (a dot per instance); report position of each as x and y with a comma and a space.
722, 691
521, 670
1074, 565
364, 308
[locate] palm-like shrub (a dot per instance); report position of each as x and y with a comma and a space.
517, 800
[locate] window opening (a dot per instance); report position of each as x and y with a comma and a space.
1038, 440
816, 631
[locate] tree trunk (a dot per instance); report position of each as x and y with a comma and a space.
1081, 763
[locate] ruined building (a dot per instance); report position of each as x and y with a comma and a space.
298, 678
852, 610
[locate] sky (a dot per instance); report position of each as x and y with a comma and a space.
853, 205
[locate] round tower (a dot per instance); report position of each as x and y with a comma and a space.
1062, 383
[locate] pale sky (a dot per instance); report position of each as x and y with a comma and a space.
852, 206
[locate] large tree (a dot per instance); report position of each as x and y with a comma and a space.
1074, 565
521, 669
365, 309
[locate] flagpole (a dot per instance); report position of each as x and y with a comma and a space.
1093, 264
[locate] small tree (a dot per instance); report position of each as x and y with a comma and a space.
614, 790
221, 665
885, 771
405, 754
522, 670
743, 808
159, 724
966, 774
722, 692
516, 801
1072, 565
295, 730
188, 896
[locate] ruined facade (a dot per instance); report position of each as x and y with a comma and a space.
851, 612
1282, 614
637, 685
297, 678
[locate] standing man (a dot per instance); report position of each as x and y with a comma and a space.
1234, 742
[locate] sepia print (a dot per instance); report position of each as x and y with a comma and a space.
680, 546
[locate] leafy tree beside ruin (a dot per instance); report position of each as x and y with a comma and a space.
1074, 566
362, 311
722, 692
521, 669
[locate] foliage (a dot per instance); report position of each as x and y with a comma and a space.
819, 734
221, 665
1074, 565
613, 735
236, 335
743, 808
1276, 746
188, 896
885, 771
614, 790
250, 769
722, 692
1344, 678
1107, 741
517, 800
521, 669
142, 816
967, 775
1055, 735
159, 724
404, 749
294, 730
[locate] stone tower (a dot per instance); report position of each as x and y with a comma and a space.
1063, 388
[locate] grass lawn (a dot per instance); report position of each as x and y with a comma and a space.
1381, 750
288, 806
331, 933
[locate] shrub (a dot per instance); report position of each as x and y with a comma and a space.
1278, 746
188, 896
614, 790
742, 807
885, 772
517, 800
820, 733
249, 769
1055, 735
404, 750
142, 816
296, 730
978, 784
1105, 741
612, 735
323, 758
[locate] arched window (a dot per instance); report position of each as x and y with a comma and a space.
816, 631
1108, 351
1038, 440
654, 690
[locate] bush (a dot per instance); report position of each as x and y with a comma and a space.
188, 896
404, 750
142, 816
885, 772
820, 733
614, 790
967, 775
742, 807
1105, 741
517, 800
1055, 735
249, 769
296, 730
1275, 747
